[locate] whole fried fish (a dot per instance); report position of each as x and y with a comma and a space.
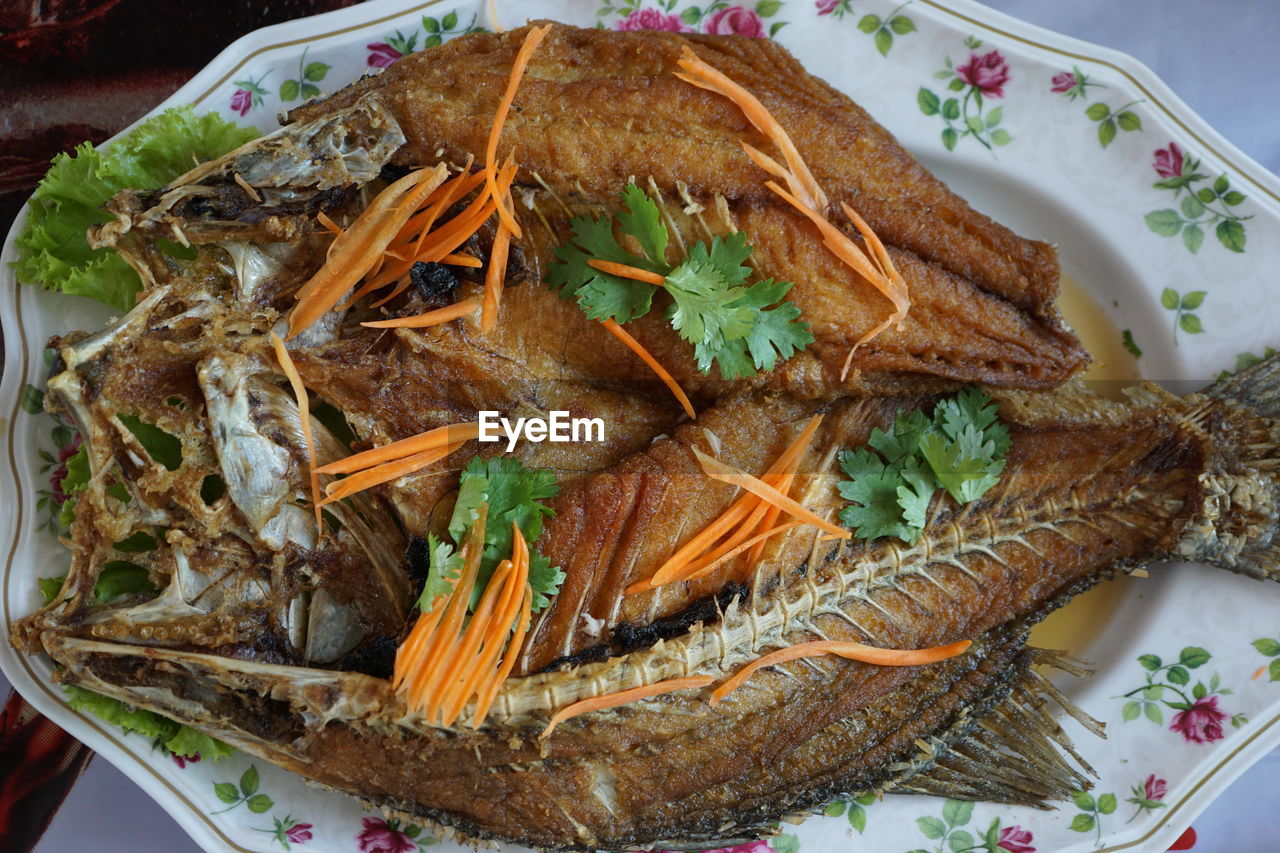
598, 108
278, 637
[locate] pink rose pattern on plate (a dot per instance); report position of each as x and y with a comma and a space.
964, 103
752, 19
952, 831
1148, 795
378, 835
1075, 84
1205, 205
1197, 717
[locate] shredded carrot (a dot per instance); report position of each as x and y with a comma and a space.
849, 651
718, 470
490, 691
329, 225
626, 271
715, 561
462, 656
430, 318
437, 653
495, 276
386, 472
807, 196
622, 697
531, 41
304, 416
746, 516
429, 440
462, 259
354, 251
706, 76
705, 538
645, 356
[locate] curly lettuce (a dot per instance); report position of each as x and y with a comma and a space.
52, 249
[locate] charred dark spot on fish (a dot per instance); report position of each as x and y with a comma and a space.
433, 282
417, 562
392, 172
374, 657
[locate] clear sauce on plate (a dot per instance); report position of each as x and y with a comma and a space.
1077, 625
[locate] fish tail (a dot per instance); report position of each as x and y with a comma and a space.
1237, 525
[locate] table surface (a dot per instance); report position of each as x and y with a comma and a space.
1221, 57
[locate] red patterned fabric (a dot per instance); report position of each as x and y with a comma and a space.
39, 763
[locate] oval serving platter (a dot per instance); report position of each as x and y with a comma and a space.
1171, 230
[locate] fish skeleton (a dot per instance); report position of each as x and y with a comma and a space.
279, 641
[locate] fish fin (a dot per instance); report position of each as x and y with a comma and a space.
1237, 524
1016, 752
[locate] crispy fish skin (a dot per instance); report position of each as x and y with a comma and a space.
1091, 487
597, 109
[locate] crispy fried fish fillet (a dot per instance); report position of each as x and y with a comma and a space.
599, 108
1092, 487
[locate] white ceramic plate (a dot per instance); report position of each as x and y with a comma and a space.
984, 100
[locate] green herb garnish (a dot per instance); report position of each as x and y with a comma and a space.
729, 322
960, 450
513, 494
52, 248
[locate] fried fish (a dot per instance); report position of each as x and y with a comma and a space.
278, 637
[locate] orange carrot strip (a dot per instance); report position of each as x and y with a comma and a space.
735, 537
407, 655
703, 540
467, 221
770, 518
495, 276
531, 42
430, 318
889, 283
718, 470
482, 673
626, 271
429, 440
634, 345
417, 228
743, 546
422, 686
622, 697
386, 472
454, 678
329, 225
849, 651
462, 259
304, 416
355, 250
508, 661
706, 76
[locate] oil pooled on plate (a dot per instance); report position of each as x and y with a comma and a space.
1076, 626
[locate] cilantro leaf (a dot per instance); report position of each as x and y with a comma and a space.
955, 469
442, 571
643, 222
513, 494
120, 577
960, 449
729, 323
544, 580
601, 295
76, 480
902, 442
873, 487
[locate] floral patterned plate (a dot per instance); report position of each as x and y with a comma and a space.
1172, 230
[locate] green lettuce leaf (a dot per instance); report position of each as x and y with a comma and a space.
53, 250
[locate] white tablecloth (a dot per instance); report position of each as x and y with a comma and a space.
1223, 58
